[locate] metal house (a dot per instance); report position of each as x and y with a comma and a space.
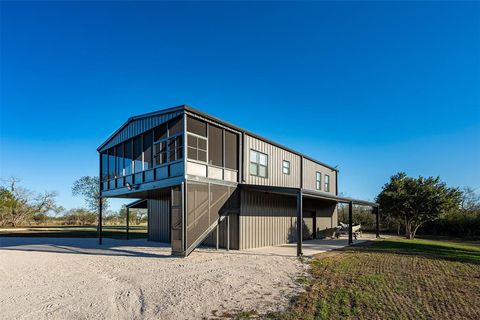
204, 180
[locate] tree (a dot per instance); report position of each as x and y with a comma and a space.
80, 216
415, 201
18, 205
88, 187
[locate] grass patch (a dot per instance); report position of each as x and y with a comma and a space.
392, 279
302, 280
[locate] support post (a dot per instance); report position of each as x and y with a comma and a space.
350, 222
228, 232
218, 226
299, 223
314, 224
100, 221
128, 222
377, 223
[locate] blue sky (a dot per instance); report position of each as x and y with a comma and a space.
373, 87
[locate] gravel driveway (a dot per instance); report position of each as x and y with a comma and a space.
67, 278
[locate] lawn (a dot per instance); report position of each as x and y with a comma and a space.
392, 279
117, 232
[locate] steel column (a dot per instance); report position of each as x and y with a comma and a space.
350, 222
299, 223
128, 222
100, 221
228, 232
377, 222
218, 226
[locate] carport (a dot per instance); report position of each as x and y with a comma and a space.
302, 194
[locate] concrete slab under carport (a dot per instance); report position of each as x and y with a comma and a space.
310, 247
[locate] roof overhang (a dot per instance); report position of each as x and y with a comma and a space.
309, 194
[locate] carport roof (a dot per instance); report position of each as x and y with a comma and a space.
309, 194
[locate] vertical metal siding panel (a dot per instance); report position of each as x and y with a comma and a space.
275, 157
159, 219
309, 175
265, 220
139, 126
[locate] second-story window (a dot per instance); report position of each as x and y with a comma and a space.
258, 164
318, 181
327, 183
197, 148
286, 167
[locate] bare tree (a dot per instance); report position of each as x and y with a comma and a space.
88, 187
18, 205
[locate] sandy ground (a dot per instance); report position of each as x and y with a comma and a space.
67, 278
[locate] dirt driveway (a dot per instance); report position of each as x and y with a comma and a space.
67, 278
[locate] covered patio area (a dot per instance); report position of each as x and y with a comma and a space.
311, 247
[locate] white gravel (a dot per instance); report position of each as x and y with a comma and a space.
67, 278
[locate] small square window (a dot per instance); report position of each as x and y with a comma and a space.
286, 167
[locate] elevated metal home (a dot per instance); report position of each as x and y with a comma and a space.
204, 180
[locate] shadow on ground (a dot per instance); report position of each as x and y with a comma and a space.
90, 246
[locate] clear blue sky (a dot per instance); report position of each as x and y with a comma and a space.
374, 88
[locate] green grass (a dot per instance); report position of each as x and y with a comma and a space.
117, 232
392, 279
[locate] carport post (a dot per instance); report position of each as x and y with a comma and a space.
228, 232
128, 221
218, 226
299, 223
100, 221
377, 222
350, 222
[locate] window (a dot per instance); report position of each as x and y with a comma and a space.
175, 148
327, 183
215, 145
318, 181
231, 150
197, 148
286, 167
258, 164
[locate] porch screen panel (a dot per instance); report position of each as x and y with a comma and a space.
177, 220
119, 168
127, 152
197, 211
219, 198
147, 150
137, 153
215, 146
231, 150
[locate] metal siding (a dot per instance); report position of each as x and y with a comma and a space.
266, 219
159, 219
275, 157
309, 176
139, 126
